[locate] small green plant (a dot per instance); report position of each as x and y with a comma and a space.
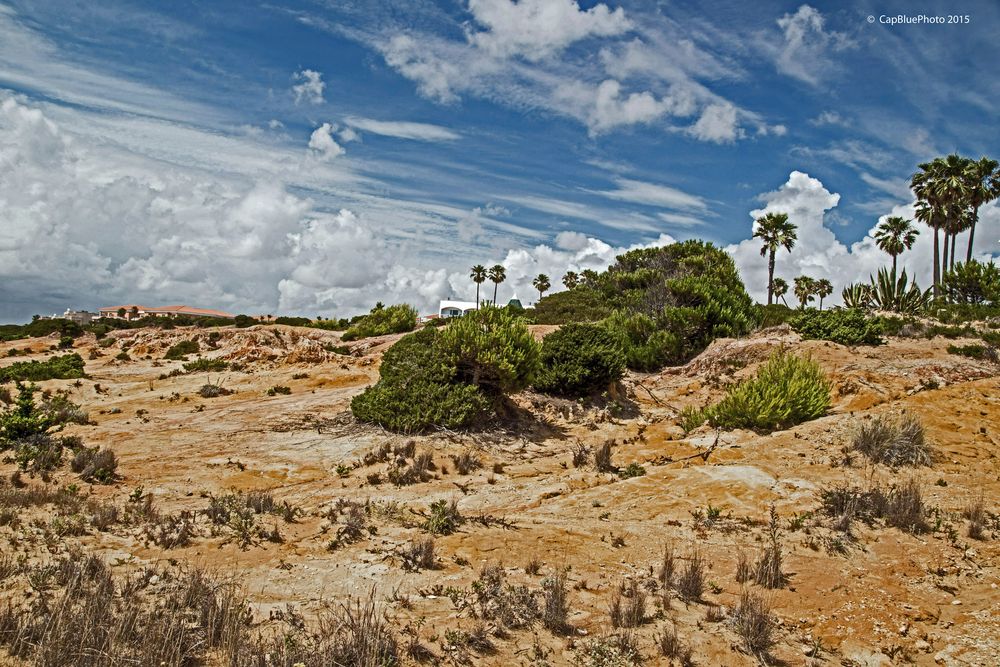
787, 390
279, 389
632, 470
206, 366
444, 518
182, 349
975, 351
845, 326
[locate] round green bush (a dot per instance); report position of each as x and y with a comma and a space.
491, 349
418, 390
579, 359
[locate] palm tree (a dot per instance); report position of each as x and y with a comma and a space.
776, 232
780, 289
824, 288
893, 236
983, 187
478, 276
571, 279
497, 274
930, 209
952, 188
805, 287
541, 283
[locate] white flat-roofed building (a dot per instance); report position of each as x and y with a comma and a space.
456, 308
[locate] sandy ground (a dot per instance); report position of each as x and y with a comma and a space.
887, 597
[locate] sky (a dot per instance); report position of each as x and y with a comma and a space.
312, 158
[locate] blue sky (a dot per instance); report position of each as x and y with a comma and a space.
315, 157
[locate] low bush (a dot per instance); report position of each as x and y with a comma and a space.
754, 623
895, 440
775, 314
980, 352
279, 390
847, 326
381, 321
206, 366
417, 390
95, 465
899, 506
182, 349
580, 304
65, 367
293, 321
579, 359
787, 390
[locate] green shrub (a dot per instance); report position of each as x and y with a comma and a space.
279, 389
580, 304
845, 326
65, 342
66, 367
491, 349
973, 283
981, 352
417, 389
244, 321
182, 349
579, 359
786, 391
382, 321
775, 314
206, 366
293, 321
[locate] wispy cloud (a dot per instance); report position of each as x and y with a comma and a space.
654, 194
403, 129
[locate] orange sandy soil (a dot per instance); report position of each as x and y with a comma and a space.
890, 598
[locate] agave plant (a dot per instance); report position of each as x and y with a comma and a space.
857, 295
898, 294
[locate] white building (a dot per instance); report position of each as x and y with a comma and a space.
456, 308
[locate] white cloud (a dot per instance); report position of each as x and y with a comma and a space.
804, 55
536, 29
829, 118
310, 87
718, 123
322, 144
654, 194
403, 129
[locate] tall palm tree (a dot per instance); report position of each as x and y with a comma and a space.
776, 232
497, 274
571, 279
541, 283
893, 236
952, 188
983, 186
930, 209
805, 287
824, 288
780, 290
478, 276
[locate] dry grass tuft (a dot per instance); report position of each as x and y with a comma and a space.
895, 440
754, 624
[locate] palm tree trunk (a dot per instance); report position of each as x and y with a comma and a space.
972, 233
477, 296
495, 286
894, 269
770, 277
821, 303
937, 263
954, 242
944, 254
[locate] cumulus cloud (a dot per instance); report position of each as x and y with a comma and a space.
718, 123
310, 87
322, 145
818, 253
536, 29
402, 129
